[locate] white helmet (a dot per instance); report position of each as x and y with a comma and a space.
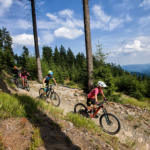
101, 84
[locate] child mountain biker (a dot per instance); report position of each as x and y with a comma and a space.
47, 79
92, 96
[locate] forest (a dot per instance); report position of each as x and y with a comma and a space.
71, 70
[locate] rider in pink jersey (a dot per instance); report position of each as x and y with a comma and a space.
92, 96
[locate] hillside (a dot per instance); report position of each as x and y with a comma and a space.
138, 68
40, 126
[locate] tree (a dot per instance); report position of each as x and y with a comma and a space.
56, 56
70, 57
100, 56
24, 57
39, 70
47, 54
6, 49
88, 43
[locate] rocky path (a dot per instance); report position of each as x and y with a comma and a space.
135, 122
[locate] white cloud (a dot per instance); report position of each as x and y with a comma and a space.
102, 21
133, 46
66, 12
64, 24
145, 4
23, 39
46, 24
51, 16
4, 6
68, 33
136, 45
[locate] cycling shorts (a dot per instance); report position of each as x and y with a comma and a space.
90, 101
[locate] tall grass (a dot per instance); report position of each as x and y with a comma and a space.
124, 99
10, 106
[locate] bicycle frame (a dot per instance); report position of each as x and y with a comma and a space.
97, 110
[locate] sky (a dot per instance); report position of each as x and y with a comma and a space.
121, 26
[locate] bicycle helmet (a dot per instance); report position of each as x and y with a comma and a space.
101, 84
50, 72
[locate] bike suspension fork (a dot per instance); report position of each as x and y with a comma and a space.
106, 116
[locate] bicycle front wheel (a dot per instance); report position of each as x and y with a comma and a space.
54, 97
109, 123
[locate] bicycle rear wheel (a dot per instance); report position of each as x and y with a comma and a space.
54, 97
81, 109
109, 123
27, 87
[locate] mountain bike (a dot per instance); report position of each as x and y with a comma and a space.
19, 84
51, 94
108, 122
15, 80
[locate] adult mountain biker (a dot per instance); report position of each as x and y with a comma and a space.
47, 79
15, 72
92, 96
24, 74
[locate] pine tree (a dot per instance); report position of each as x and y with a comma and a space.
47, 54
56, 56
70, 58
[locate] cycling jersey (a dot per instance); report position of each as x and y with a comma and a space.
94, 92
15, 72
24, 73
47, 79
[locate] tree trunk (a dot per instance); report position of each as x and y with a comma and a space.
39, 70
88, 43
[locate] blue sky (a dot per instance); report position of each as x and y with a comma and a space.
121, 26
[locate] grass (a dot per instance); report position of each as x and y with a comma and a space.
24, 106
10, 106
36, 139
124, 99
80, 121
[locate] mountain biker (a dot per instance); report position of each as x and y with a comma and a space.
15, 72
24, 74
92, 96
47, 79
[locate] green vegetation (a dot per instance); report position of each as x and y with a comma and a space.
123, 99
10, 106
80, 121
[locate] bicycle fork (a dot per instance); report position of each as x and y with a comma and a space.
106, 117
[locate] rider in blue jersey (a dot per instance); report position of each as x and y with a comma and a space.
47, 79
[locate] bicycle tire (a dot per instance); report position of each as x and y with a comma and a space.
103, 116
41, 92
27, 87
54, 97
82, 111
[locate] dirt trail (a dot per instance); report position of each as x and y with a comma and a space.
135, 122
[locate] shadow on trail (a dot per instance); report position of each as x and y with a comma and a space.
51, 134
3, 86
